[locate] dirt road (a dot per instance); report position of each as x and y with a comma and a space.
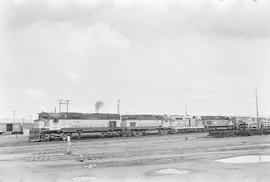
189, 157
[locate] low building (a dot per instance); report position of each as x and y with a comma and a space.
15, 126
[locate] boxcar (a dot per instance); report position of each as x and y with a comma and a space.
10, 128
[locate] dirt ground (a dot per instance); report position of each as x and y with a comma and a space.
185, 157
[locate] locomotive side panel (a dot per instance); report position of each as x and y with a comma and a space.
39, 124
144, 123
59, 124
186, 122
178, 124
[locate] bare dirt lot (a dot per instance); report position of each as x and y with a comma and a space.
186, 157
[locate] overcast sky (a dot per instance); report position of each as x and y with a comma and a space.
156, 56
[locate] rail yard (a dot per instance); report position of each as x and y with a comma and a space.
181, 157
71, 146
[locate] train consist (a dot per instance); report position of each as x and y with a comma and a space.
57, 126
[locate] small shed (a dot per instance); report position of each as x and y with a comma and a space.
15, 126
10, 128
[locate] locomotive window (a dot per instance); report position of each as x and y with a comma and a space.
44, 117
55, 120
132, 124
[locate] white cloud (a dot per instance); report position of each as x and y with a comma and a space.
35, 92
141, 49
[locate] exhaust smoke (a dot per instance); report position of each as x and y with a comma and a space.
98, 105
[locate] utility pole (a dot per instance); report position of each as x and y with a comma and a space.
67, 102
60, 102
118, 106
186, 110
257, 110
14, 112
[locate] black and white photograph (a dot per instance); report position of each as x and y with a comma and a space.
134, 90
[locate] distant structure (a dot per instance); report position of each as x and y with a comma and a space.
15, 126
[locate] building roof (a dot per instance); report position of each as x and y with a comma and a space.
10, 120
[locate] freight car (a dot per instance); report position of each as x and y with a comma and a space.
10, 128
243, 126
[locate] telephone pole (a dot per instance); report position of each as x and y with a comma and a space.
186, 110
60, 102
118, 106
67, 102
14, 112
257, 110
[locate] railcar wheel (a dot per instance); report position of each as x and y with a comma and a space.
163, 132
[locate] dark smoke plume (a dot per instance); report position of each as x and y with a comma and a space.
98, 105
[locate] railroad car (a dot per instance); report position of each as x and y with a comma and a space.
243, 126
219, 126
136, 125
265, 122
10, 128
52, 126
252, 122
213, 123
180, 123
